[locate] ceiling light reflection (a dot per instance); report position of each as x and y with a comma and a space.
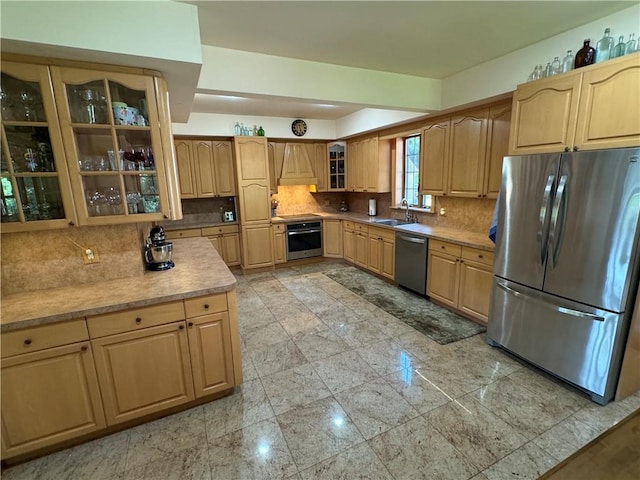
264, 449
338, 421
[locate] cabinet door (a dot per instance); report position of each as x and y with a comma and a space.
609, 115
467, 154
320, 166
186, 169
275, 152
475, 289
217, 244
332, 238
279, 244
203, 161
211, 357
544, 115
251, 160
355, 177
497, 148
387, 265
225, 183
36, 193
361, 249
143, 372
256, 246
111, 133
48, 397
337, 180
442, 278
255, 206
349, 245
374, 258
231, 248
434, 158
370, 164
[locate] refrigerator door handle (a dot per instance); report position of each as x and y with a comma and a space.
544, 210
558, 308
555, 234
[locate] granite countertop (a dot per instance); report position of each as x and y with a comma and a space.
186, 226
199, 271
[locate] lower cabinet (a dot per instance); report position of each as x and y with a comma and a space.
226, 240
460, 277
50, 394
382, 245
256, 246
349, 242
279, 243
332, 238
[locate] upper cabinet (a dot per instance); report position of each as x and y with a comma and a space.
337, 167
205, 168
461, 156
83, 147
592, 108
369, 168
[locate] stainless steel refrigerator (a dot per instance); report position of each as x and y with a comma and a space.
567, 263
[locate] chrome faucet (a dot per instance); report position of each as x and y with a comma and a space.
407, 215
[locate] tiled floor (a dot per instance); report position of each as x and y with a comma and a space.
336, 388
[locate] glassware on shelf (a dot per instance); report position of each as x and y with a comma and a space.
555, 66
29, 101
96, 203
547, 71
237, 131
604, 47
631, 45
567, 62
585, 56
114, 200
92, 106
133, 199
618, 50
31, 160
537, 73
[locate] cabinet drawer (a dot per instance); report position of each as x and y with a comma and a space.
221, 230
384, 233
194, 307
360, 227
476, 255
278, 227
347, 225
135, 319
445, 247
45, 336
191, 232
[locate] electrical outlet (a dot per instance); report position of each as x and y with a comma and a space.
443, 212
90, 255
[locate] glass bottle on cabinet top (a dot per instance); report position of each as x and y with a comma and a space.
567, 62
604, 47
337, 166
111, 122
35, 192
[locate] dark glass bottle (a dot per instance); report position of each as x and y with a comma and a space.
586, 55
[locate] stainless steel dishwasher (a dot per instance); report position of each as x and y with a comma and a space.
411, 262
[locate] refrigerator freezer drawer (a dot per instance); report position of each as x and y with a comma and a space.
575, 342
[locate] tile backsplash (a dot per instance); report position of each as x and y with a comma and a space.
296, 199
40, 260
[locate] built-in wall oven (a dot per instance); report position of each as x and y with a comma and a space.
304, 237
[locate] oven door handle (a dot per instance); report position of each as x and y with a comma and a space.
303, 232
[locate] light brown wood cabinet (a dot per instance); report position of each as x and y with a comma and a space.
275, 154
51, 393
595, 107
337, 171
318, 155
460, 277
461, 156
382, 251
332, 238
72, 160
205, 168
296, 166
279, 243
226, 240
369, 167
349, 241
257, 246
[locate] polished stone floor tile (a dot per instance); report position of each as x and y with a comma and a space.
565, 438
187, 464
294, 388
252, 320
416, 450
277, 357
343, 371
265, 335
319, 345
602, 418
386, 357
474, 431
318, 431
417, 389
336, 318
248, 405
301, 324
282, 311
375, 407
566, 396
256, 452
419, 346
356, 463
526, 463
359, 334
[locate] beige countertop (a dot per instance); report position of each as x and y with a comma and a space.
187, 226
199, 271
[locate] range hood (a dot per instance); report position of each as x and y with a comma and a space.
296, 166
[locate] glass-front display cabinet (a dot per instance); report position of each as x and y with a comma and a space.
35, 182
110, 128
337, 166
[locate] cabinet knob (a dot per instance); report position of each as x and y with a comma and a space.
181, 327
190, 324
479, 195
27, 341
442, 247
84, 348
166, 217
567, 149
479, 256
138, 320
71, 224
575, 148
206, 306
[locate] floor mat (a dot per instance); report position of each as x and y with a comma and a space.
439, 324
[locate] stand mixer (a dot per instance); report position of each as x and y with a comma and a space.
157, 251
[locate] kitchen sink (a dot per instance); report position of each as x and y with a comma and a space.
392, 222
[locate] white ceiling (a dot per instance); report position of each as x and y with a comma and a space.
432, 39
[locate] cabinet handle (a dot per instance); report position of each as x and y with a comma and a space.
206, 306
567, 149
479, 195
71, 224
166, 217
138, 320
84, 348
27, 341
191, 324
575, 148
181, 327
